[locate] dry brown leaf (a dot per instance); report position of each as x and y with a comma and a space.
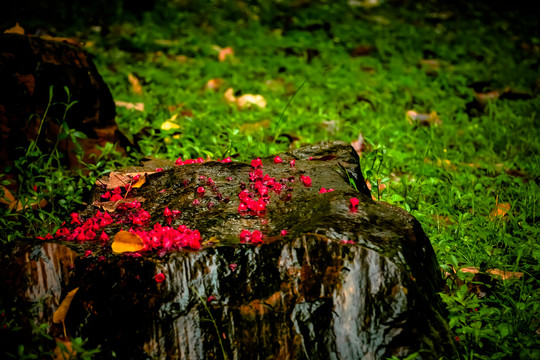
224, 53
505, 275
111, 206
60, 314
6, 197
17, 29
117, 179
125, 241
136, 86
72, 41
130, 106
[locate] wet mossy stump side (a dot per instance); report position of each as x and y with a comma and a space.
343, 283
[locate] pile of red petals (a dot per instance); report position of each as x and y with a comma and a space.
168, 238
88, 230
254, 237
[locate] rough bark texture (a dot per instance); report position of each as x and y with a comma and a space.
344, 283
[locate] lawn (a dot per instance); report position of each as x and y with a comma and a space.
441, 100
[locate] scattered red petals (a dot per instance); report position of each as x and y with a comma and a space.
283, 233
292, 163
277, 160
354, 202
160, 277
87, 253
200, 190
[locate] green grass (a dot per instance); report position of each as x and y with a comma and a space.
449, 176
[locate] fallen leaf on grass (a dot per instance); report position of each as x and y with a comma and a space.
6, 197
130, 106
500, 210
359, 145
125, 241
60, 314
136, 86
63, 350
111, 206
17, 29
214, 84
415, 118
169, 124
504, 275
224, 53
245, 101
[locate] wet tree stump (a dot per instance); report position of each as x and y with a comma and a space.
311, 274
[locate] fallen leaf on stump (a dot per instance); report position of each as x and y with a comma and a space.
60, 314
111, 206
117, 179
125, 241
17, 29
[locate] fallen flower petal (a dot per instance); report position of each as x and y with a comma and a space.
160, 277
354, 202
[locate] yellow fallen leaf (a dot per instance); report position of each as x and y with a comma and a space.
136, 86
60, 314
140, 182
170, 124
17, 29
125, 241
